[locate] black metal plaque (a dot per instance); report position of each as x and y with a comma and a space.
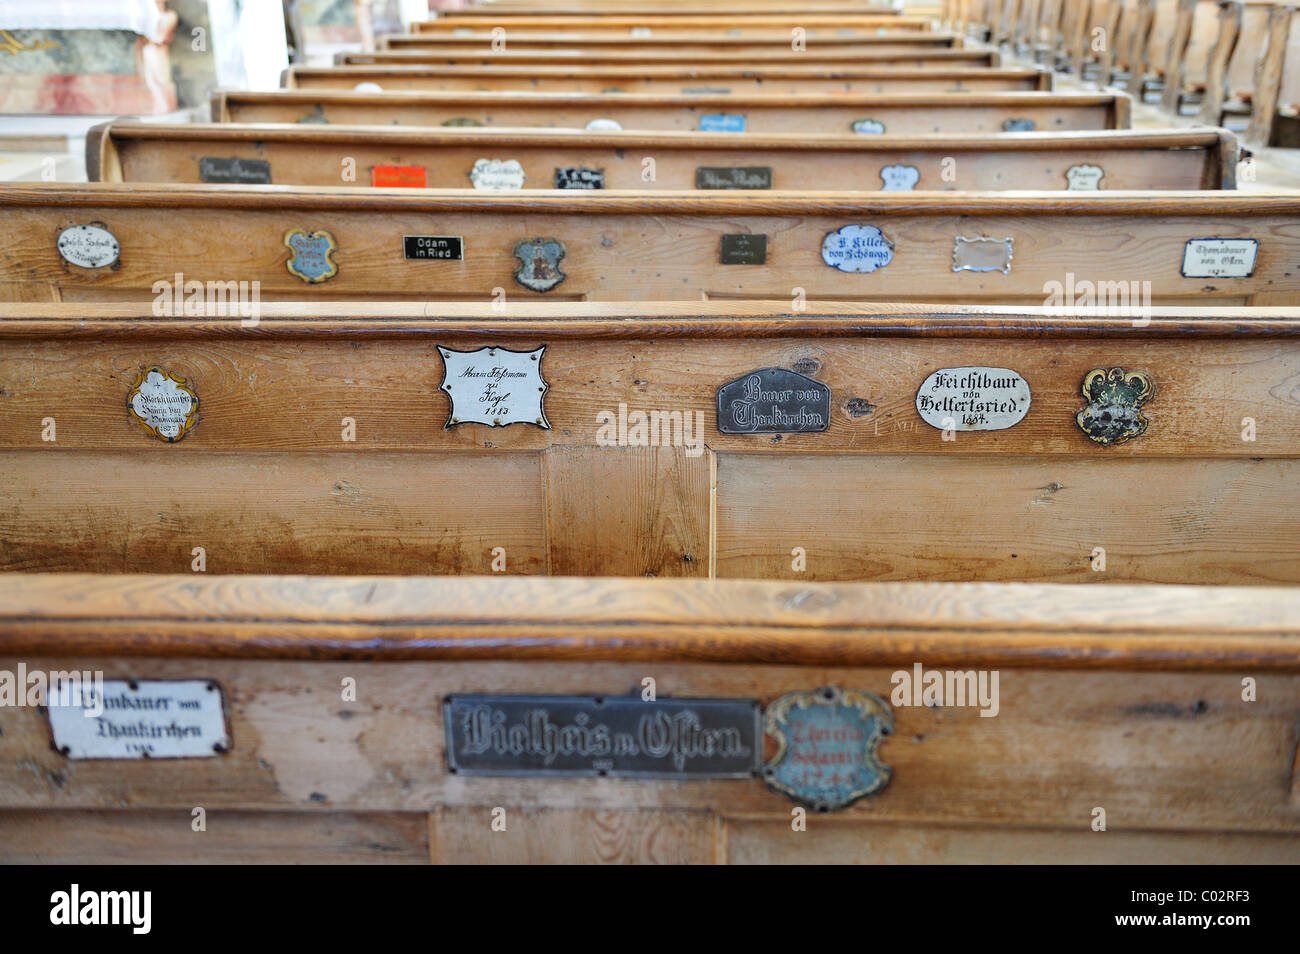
773, 401
433, 247
235, 171
744, 248
733, 177
579, 177
602, 735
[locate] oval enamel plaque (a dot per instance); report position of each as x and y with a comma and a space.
973, 399
88, 246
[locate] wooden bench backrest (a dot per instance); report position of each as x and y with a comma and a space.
324, 444
895, 113
1088, 689
634, 47
916, 58
719, 79
619, 245
543, 159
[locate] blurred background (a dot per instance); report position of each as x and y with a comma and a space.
65, 65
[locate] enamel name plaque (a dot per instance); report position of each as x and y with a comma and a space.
1084, 178
234, 171
494, 386
139, 719
899, 178
722, 122
618, 736
499, 175
434, 247
827, 746
857, 248
1220, 258
88, 246
164, 404
973, 399
773, 401
579, 177
733, 177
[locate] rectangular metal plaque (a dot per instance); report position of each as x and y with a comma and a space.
733, 177
398, 177
619, 736
1220, 257
744, 248
139, 719
431, 247
722, 122
579, 177
234, 171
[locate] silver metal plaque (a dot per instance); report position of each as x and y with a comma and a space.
773, 401
982, 255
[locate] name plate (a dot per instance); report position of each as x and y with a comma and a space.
163, 404
497, 174
899, 178
1084, 178
494, 386
602, 735
128, 719
88, 246
773, 401
579, 177
744, 248
434, 247
733, 177
857, 248
973, 399
722, 122
1220, 258
235, 171
399, 177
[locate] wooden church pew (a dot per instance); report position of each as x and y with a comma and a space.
473, 59
432, 48
104, 242
1128, 703
720, 79
543, 159
738, 23
369, 452
895, 113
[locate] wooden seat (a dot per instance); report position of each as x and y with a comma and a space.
545, 159
899, 114
323, 442
1129, 703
